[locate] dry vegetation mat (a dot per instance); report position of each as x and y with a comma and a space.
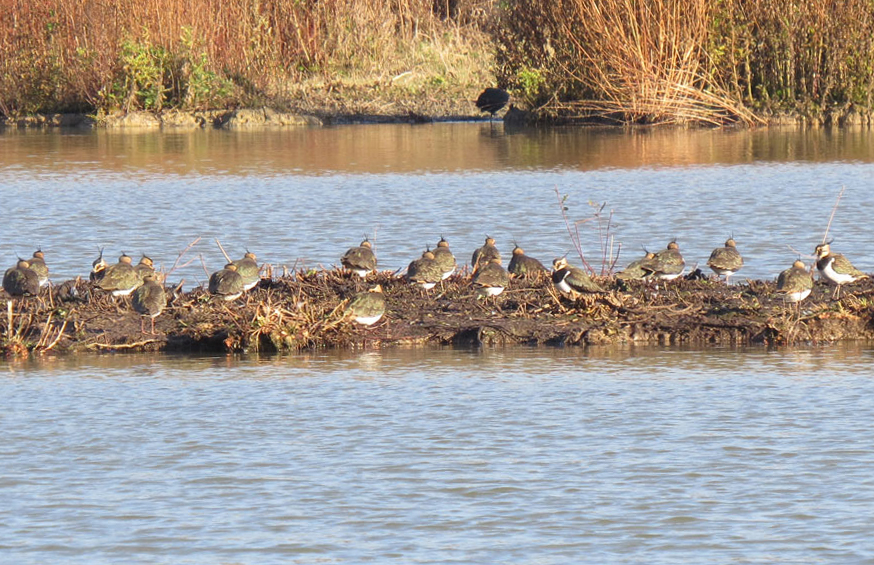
306, 311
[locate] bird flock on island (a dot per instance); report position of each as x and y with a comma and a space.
488, 276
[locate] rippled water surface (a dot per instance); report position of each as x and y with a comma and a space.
441, 456
302, 197
534, 456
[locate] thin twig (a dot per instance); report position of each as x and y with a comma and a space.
575, 239
182, 253
832, 217
219, 243
203, 264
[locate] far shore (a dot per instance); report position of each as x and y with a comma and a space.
267, 117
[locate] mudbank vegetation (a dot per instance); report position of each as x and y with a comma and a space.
646, 61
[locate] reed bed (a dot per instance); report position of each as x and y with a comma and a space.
689, 61
638, 61
67, 55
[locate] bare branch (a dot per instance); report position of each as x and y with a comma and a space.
182, 253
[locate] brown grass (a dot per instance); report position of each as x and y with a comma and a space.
641, 61
80, 54
657, 61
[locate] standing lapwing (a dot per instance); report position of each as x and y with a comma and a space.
360, 260
836, 268
247, 267
425, 271
726, 261
38, 266
491, 278
149, 300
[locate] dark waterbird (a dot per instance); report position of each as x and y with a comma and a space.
491, 100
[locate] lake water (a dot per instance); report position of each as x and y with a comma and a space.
516, 455
549, 456
301, 198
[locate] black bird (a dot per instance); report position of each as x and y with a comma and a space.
491, 100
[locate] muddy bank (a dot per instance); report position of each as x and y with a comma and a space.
306, 311
256, 118
395, 112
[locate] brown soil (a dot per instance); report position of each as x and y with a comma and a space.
306, 311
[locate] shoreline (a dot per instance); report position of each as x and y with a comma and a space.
305, 312
267, 117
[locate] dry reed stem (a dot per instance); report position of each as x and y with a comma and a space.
832, 215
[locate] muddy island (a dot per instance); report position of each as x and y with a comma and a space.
307, 311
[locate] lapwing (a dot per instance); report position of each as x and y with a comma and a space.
665, 265
120, 279
795, 283
571, 280
522, 265
726, 261
367, 307
149, 300
38, 266
836, 268
491, 278
145, 267
485, 253
21, 280
635, 270
226, 283
360, 260
425, 271
247, 267
98, 268
445, 258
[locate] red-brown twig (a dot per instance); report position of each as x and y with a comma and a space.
182, 253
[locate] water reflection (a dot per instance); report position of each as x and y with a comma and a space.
433, 148
628, 359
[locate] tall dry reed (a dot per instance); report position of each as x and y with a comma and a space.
688, 60
81, 54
